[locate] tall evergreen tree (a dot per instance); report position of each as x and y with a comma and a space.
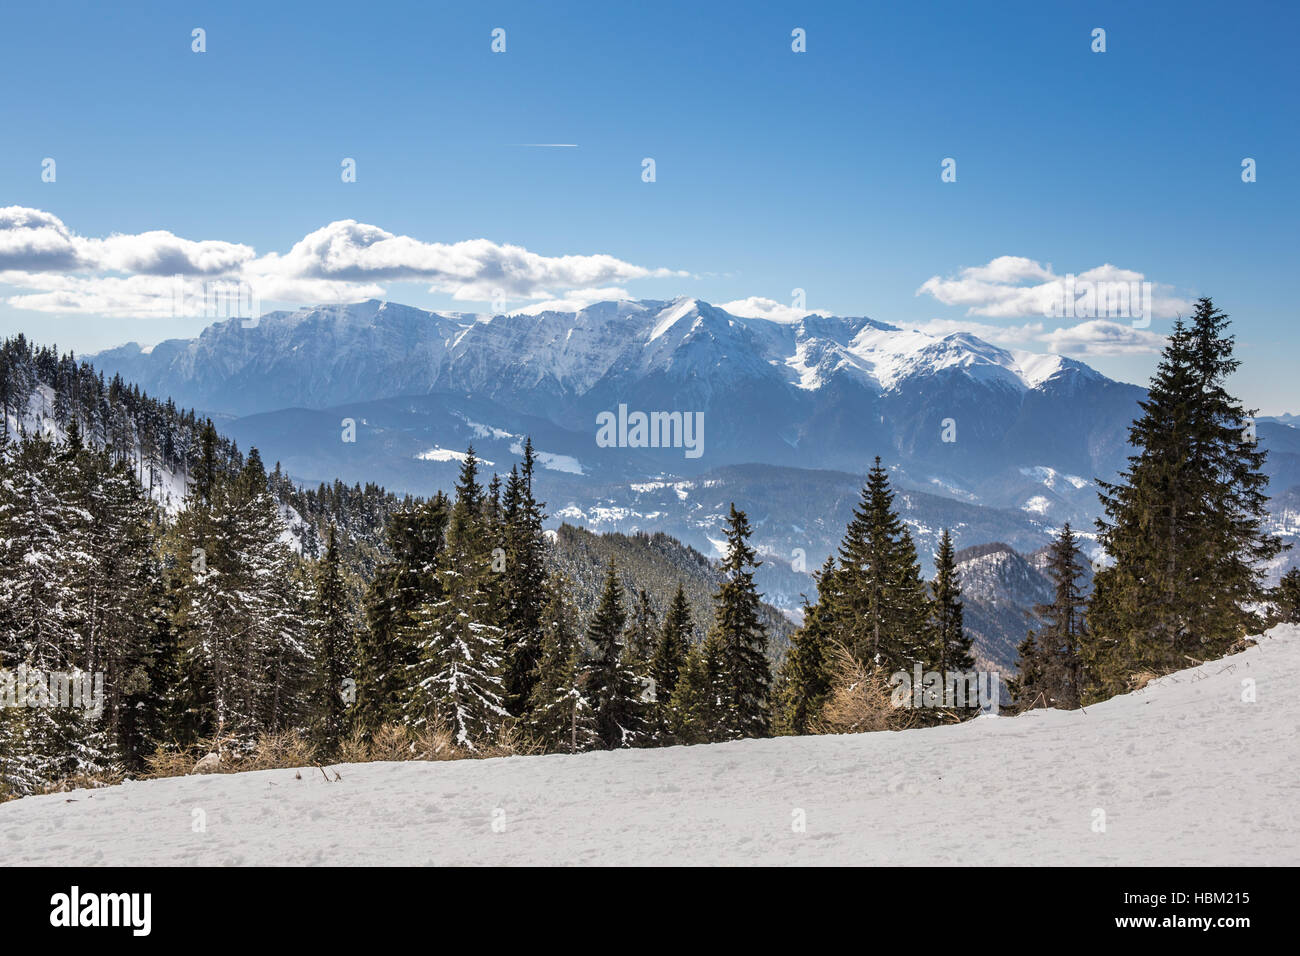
559, 713
805, 672
458, 675
642, 632
333, 638
879, 603
525, 594
612, 685
1051, 661
667, 661
952, 644
1185, 524
387, 651
741, 635
700, 711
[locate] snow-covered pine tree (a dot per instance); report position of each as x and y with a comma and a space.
458, 674
43, 553
1287, 597
240, 608
125, 624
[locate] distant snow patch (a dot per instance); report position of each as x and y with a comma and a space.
446, 454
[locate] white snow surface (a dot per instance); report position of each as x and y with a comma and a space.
1185, 771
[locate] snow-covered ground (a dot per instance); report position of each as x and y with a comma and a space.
1184, 771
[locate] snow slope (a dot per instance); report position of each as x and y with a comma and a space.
1185, 771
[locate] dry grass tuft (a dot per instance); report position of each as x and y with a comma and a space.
1141, 679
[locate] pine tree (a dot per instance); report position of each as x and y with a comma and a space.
525, 582
805, 672
742, 636
458, 673
333, 639
43, 553
952, 645
700, 711
667, 662
124, 624
1185, 522
387, 652
240, 602
559, 714
1051, 663
1287, 597
642, 633
879, 602
611, 684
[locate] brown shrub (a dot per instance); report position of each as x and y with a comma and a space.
859, 700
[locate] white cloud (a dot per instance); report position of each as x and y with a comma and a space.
34, 241
126, 274
1102, 337
476, 269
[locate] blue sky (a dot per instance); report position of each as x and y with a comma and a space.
775, 170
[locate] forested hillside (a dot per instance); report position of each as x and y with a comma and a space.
159, 588
162, 593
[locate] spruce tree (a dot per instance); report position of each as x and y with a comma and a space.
1185, 524
559, 714
387, 651
878, 606
611, 683
741, 635
43, 555
642, 634
805, 672
525, 594
1287, 598
1051, 666
952, 645
333, 638
699, 708
457, 676
667, 662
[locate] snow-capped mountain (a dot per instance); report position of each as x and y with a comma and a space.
822, 391
996, 444
327, 355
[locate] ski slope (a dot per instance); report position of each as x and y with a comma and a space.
1185, 771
